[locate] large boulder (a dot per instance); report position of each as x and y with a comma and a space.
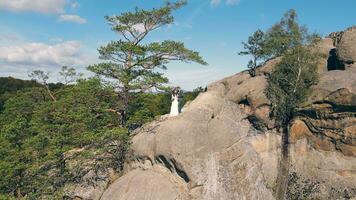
346, 48
205, 148
147, 184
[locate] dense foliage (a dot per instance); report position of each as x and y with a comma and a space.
36, 132
291, 79
290, 82
277, 40
136, 66
9, 85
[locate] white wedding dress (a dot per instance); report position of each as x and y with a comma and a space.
174, 106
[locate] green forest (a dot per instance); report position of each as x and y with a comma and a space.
37, 131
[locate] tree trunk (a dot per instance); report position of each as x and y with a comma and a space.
284, 164
50, 94
18, 193
124, 97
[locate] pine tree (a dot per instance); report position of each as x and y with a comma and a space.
134, 64
290, 82
254, 47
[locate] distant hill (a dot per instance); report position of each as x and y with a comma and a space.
10, 84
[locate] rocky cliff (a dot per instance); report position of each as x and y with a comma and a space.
225, 145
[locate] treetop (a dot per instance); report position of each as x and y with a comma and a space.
134, 26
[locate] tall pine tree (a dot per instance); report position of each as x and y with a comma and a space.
134, 64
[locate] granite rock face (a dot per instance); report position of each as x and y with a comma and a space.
346, 47
204, 147
225, 146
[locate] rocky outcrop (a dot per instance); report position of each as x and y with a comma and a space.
344, 53
346, 47
331, 113
225, 145
199, 149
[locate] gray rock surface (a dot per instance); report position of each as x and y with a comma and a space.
203, 146
213, 150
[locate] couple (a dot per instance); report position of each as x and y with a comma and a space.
175, 102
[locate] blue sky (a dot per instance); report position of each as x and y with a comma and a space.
46, 34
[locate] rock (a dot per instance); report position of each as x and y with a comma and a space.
145, 184
324, 46
325, 49
346, 48
336, 37
334, 84
249, 93
268, 66
216, 148
299, 130
204, 154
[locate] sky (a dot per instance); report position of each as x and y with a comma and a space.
47, 34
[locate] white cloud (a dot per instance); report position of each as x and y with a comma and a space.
72, 18
19, 60
42, 55
41, 6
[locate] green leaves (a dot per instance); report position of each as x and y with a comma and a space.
135, 66
287, 34
255, 48
170, 50
35, 133
149, 56
289, 83
69, 75
291, 79
277, 40
254, 44
134, 26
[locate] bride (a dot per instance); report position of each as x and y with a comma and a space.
175, 103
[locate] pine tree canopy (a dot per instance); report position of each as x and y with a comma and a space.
133, 63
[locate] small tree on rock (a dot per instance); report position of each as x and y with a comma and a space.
254, 47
